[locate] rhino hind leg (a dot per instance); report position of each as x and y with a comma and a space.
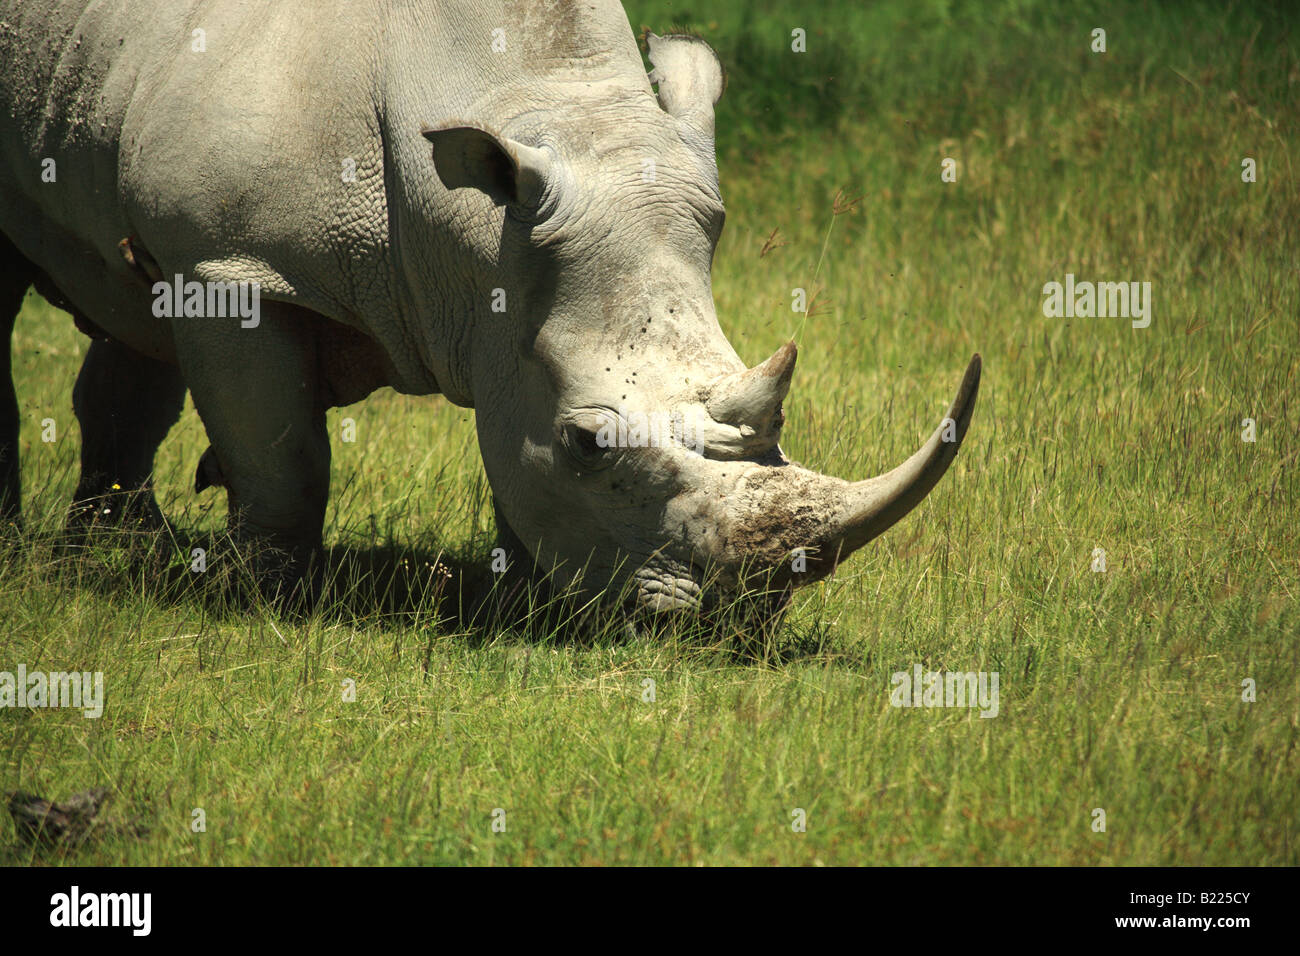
125, 403
16, 275
506, 594
260, 395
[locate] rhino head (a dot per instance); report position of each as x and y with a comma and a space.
626, 443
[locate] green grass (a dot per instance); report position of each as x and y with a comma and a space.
1119, 690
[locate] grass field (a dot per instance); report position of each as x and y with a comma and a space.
1120, 690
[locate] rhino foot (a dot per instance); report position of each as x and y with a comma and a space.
287, 575
114, 508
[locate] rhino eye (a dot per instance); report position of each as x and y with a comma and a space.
582, 440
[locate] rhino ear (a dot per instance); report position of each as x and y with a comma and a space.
690, 78
508, 171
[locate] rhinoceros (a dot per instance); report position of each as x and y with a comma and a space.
493, 201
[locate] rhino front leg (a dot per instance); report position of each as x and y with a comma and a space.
16, 274
503, 596
126, 403
259, 394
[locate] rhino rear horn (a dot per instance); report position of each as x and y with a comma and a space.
690, 78
751, 400
506, 170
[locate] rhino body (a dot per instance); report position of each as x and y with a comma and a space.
434, 197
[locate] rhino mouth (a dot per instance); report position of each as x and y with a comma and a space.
662, 598
665, 589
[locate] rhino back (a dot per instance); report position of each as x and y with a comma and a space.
207, 157
231, 164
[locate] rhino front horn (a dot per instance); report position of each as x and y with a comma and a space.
791, 526
751, 400
870, 507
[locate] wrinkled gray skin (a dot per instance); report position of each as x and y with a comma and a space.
225, 165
